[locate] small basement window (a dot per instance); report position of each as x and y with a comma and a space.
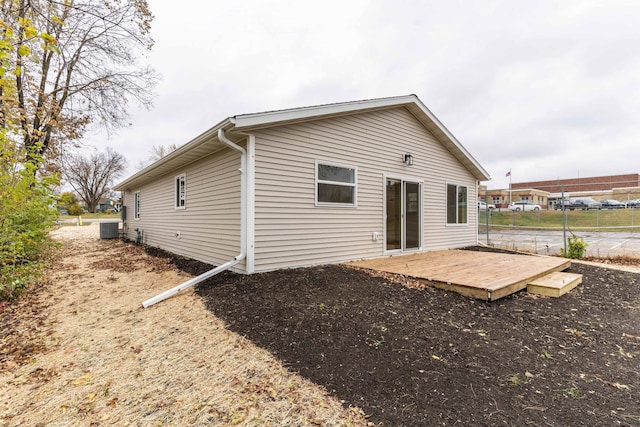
456, 204
181, 191
136, 205
336, 184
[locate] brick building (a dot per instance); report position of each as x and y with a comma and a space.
545, 193
589, 184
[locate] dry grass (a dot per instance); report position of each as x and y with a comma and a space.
110, 362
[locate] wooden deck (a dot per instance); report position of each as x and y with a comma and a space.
484, 275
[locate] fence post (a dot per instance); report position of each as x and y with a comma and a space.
564, 222
487, 212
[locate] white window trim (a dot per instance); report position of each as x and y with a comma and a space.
175, 191
136, 205
446, 194
346, 184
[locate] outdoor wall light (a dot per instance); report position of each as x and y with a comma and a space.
408, 159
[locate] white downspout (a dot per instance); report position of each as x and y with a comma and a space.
243, 231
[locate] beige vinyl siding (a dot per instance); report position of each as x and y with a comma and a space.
209, 225
291, 231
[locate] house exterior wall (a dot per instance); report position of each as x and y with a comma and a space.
208, 228
290, 230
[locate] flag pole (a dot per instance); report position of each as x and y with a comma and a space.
509, 186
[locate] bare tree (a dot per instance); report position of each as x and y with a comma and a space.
159, 151
92, 176
75, 64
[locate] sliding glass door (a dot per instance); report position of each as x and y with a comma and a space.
404, 215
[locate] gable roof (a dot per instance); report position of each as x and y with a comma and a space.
237, 126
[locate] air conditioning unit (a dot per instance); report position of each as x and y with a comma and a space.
109, 230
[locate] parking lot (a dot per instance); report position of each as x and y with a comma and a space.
599, 243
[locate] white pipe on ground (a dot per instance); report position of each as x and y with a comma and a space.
243, 231
173, 291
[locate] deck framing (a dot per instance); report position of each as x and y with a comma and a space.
484, 275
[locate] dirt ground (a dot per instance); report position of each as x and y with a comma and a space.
416, 357
81, 351
310, 346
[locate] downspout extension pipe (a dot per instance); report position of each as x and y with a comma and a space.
243, 227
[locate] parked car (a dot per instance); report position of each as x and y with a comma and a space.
566, 203
523, 206
611, 204
584, 203
484, 206
633, 203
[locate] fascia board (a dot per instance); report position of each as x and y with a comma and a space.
271, 118
173, 159
453, 144
281, 117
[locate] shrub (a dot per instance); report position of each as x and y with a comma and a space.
70, 202
577, 248
27, 213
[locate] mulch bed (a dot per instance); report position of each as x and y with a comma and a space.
429, 357
416, 357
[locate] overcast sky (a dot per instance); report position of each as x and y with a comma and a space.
546, 89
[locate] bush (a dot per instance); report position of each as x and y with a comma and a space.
27, 213
69, 201
577, 248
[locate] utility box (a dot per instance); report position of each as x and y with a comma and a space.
109, 230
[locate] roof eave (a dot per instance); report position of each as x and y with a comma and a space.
449, 141
178, 157
246, 122
281, 117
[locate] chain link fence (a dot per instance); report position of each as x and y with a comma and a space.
539, 221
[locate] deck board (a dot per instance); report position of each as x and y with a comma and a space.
484, 275
554, 284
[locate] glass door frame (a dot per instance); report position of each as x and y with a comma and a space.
403, 228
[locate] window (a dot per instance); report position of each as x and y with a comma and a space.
456, 204
496, 200
136, 205
335, 184
181, 191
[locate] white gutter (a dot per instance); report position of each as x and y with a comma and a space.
243, 231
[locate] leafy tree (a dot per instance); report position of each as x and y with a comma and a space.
26, 214
78, 70
69, 201
92, 176
27, 205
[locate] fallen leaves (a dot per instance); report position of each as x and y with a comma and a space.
23, 329
84, 380
107, 361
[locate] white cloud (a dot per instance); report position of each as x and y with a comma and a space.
536, 87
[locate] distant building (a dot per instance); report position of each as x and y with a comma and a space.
589, 184
502, 198
108, 205
619, 187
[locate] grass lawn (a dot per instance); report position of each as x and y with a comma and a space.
575, 219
